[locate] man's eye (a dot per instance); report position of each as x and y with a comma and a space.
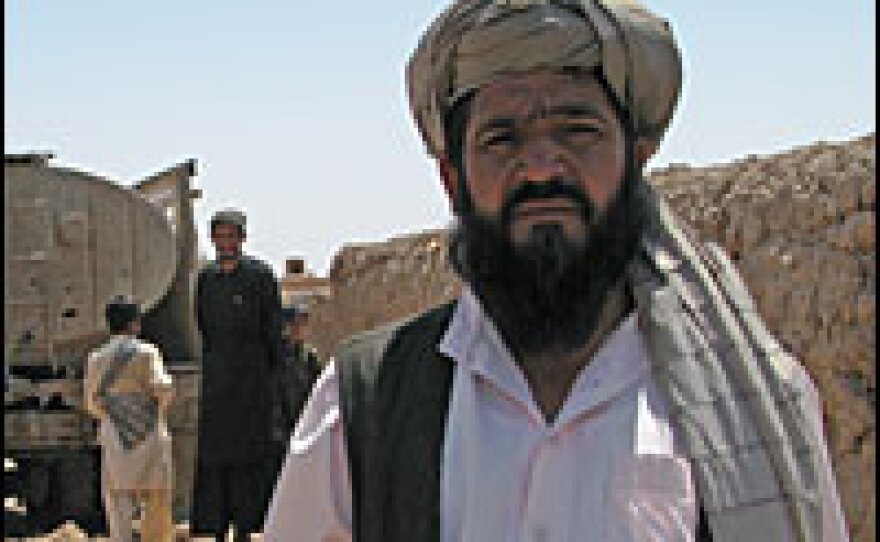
578, 129
498, 140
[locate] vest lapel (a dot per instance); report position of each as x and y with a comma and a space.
395, 388
416, 419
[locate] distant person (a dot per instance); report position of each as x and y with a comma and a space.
238, 312
128, 390
604, 375
300, 370
301, 365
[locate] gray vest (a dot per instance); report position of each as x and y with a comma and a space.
743, 422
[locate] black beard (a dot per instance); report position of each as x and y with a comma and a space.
228, 256
546, 296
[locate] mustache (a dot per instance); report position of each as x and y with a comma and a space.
551, 189
224, 255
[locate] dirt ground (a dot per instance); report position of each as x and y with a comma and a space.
69, 532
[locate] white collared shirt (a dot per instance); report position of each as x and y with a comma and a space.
607, 469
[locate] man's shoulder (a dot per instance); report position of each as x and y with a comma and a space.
411, 324
255, 265
361, 356
98, 352
208, 268
146, 347
110, 347
104, 348
248, 264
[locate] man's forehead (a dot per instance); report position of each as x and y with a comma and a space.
521, 92
225, 228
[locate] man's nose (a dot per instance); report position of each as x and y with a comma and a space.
539, 162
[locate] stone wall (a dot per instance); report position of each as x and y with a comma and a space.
378, 283
800, 226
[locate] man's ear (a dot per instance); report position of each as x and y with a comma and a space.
449, 175
644, 150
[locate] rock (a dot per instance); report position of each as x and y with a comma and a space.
68, 532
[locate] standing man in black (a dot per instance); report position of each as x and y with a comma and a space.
238, 312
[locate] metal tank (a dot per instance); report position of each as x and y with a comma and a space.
72, 241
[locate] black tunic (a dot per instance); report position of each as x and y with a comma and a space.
239, 316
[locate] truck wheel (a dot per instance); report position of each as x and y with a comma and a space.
78, 483
41, 496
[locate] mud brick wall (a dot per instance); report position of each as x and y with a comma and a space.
379, 283
800, 226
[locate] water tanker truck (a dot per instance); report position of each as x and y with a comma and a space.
72, 240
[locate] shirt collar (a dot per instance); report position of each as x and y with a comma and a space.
474, 343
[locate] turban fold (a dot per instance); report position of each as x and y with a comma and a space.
229, 216
475, 42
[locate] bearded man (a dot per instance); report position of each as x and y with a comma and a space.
603, 375
238, 312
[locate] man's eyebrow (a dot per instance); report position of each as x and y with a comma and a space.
571, 110
496, 123
574, 110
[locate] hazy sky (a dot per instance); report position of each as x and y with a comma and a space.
296, 110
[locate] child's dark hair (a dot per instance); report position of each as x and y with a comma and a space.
120, 312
